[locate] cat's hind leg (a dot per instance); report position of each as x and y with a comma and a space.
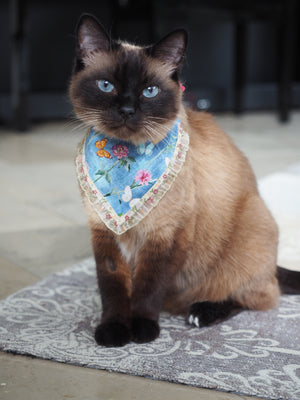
206, 313
260, 294
246, 272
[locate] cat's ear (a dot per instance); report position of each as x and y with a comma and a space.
171, 48
91, 37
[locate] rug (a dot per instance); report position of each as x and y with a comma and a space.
254, 353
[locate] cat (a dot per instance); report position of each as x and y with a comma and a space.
208, 245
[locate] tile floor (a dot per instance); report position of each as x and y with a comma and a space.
43, 229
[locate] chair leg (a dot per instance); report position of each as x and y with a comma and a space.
287, 33
240, 65
19, 65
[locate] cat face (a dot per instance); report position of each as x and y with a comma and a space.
129, 92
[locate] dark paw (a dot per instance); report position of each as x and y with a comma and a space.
207, 313
144, 330
112, 334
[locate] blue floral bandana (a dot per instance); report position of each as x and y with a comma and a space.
124, 181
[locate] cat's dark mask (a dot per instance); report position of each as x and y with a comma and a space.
130, 92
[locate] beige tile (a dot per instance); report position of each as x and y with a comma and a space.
25, 378
260, 123
269, 144
64, 134
48, 141
36, 197
13, 278
45, 251
23, 148
17, 215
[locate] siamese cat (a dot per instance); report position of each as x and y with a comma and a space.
176, 220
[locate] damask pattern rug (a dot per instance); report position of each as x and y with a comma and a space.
254, 353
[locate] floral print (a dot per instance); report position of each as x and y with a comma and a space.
120, 151
143, 177
124, 181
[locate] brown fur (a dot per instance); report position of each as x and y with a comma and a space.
211, 238
215, 214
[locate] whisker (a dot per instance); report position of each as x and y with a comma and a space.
156, 131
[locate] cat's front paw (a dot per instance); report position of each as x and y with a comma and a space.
144, 330
112, 334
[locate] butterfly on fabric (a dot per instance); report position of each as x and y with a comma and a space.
100, 144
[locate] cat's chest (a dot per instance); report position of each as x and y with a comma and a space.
130, 246
129, 253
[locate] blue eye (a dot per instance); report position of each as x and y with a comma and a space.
150, 91
105, 86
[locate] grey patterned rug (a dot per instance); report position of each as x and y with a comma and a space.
254, 353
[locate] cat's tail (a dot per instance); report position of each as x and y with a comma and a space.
289, 281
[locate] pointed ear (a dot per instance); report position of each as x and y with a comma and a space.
91, 37
171, 48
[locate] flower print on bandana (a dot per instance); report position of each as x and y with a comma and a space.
123, 181
143, 177
120, 151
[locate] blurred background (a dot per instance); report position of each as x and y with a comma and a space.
242, 55
243, 65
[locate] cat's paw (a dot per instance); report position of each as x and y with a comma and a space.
207, 313
112, 334
144, 330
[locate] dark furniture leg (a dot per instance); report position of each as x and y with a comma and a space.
287, 33
240, 64
19, 65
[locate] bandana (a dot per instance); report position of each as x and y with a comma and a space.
123, 181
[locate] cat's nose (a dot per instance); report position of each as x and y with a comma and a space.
127, 111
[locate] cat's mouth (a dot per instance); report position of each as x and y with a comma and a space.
125, 130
